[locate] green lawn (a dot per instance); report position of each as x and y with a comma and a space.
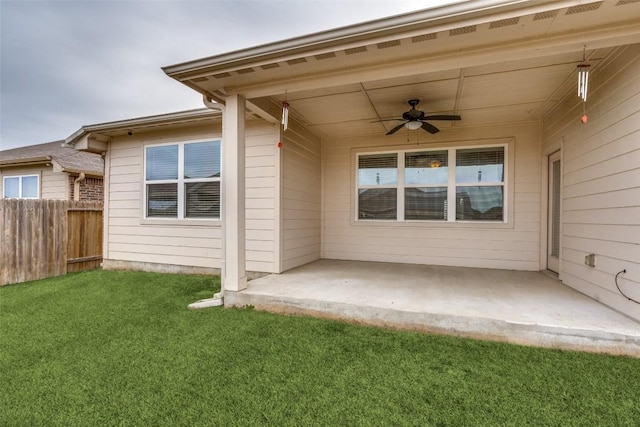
120, 348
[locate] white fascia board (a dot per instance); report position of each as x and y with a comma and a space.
138, 123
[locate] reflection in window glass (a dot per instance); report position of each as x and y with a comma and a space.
162, 162
378, 169
162, 200
202, 160
479, 203
30, 187
481, 165
425, 203
202, 199
12, 187
430, 167
377, 203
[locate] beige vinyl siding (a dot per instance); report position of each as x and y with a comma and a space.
53, 185
601, 183
261, 156
301, 197
131, 238
514, 245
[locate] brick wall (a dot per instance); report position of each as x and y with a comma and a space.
91, 189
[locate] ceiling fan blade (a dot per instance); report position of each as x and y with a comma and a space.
395, 129
443, 117
386, 120
430, 128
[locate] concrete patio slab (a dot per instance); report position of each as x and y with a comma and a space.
520, 307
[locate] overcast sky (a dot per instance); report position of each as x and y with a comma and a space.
65, 64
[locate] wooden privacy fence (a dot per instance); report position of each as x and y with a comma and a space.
45, 238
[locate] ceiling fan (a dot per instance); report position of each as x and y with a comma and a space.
414, 119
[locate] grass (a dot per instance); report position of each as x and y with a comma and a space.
120, 348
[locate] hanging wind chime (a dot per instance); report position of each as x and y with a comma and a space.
583, 84
285, 117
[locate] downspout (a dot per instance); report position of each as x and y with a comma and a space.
218, 298
76, 186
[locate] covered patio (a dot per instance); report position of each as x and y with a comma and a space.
339, 178
520, 307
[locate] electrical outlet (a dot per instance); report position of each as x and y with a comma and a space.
590, 260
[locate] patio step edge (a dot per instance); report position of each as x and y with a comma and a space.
484, 328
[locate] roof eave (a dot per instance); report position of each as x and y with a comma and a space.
92, 173
27, 161
138, 123
382, 27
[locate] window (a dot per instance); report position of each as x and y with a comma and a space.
21, 187
378, 192
425, 177
480, 184
421, 185
182, 181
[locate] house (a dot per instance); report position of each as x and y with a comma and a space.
51, 171
449, 136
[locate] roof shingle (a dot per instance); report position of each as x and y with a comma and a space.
69, 159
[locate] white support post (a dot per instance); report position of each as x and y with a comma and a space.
234, 274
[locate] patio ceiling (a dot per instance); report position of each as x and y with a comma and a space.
484, 95
491, 61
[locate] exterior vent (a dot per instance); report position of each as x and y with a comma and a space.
504, 23
583, 8
325, 55
545, 15
199, 79
622, 2
222, 75
385, 45
296, 61
354, 50
270, 66
424, 38
246, 71
463, 30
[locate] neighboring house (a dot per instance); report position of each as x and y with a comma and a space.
520, 182
51, 171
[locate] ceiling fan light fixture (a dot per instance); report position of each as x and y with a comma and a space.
414, 125
415, 119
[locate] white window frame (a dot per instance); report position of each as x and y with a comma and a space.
451, 185
20, 178
180, 181
399, 184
